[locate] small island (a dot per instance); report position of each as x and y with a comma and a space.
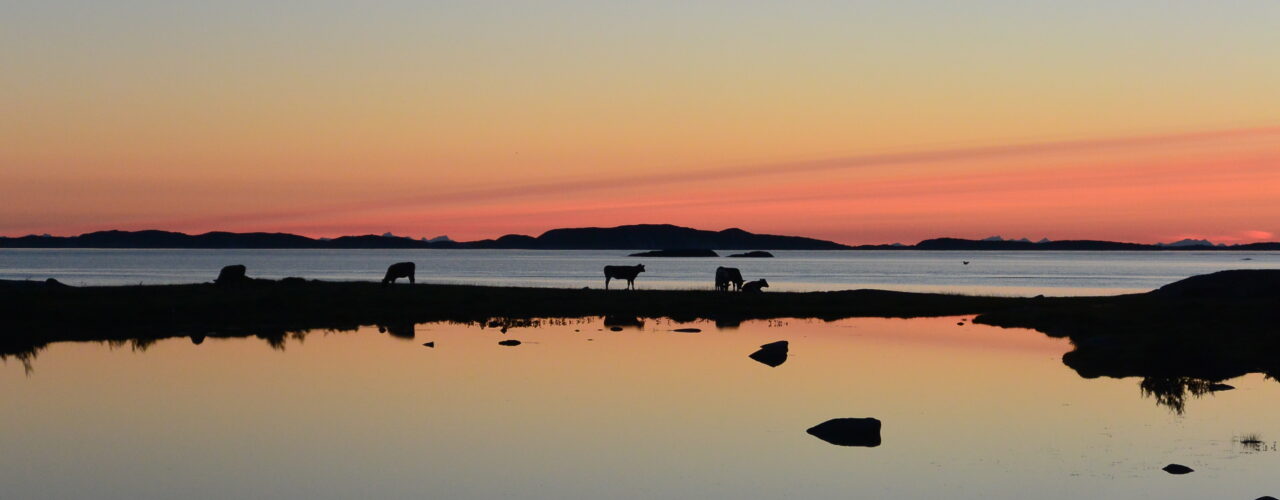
753, 254
685, 252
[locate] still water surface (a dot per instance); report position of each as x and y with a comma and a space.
997, 273
578, 411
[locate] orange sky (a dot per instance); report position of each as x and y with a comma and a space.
868, 124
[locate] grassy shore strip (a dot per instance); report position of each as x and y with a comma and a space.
319, 304
35, 314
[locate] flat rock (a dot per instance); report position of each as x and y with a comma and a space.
755, 253
848, 431
1221, 387
772, 354
1177, 469
687, 330
430, 344
509, 342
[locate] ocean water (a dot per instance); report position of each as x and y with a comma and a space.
994, 273
579, 411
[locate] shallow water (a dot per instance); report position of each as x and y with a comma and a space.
579, 411
996, 273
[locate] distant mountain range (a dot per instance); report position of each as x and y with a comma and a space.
633, 237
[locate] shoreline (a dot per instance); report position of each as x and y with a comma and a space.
1212, 326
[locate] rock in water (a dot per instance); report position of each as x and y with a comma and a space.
772, 354
1221, 387
430, 344
512, 342
848, 431
1177, 469
687, 330
615, 328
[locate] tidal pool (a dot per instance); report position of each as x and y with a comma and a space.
578, 410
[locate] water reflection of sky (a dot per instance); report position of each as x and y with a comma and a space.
968, 411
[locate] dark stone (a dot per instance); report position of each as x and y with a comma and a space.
430, 344
615, 328
687, 330
1268, 497
960, 323
1221, 387
232, 275
755, 253
848, 431
1177, 469
509, 342
197, 339
772, 354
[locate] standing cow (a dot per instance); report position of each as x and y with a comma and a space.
623, 273
726, 276
399, 270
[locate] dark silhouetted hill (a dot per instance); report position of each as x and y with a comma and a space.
633, 237
644, 236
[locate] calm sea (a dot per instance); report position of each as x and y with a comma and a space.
579, 411
998, 273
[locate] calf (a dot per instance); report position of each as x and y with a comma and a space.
754, 286
399, 270
726, 276
623, 273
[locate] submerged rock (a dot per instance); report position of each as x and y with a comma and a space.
430, 344
772, 354
687, 330
1177, 469
510, 342
848, 431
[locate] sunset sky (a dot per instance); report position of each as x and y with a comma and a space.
860, 122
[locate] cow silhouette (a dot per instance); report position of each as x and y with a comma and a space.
399, 270
232, 275
628, 273
754, 286
726, 276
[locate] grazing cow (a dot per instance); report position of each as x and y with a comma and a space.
623, 273
754, 286
727, 275
399, 270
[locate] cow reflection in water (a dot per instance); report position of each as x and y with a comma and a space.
400, 330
